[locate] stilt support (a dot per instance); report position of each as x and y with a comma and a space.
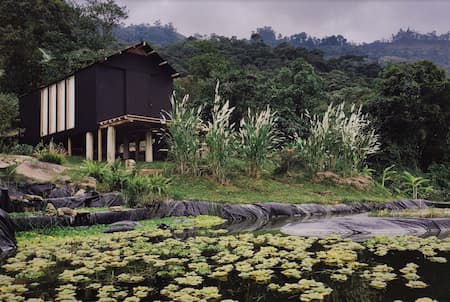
126, 148
99, 145
89, 146
69, 146
111, 144
148, 146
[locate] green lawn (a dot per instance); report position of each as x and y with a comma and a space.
242, 189
246, 190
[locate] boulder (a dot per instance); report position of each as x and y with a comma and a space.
50, 210
89, 183
130, 164
7, 234
39, 171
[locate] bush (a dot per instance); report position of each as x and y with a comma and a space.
22, 149
142, 190
50, 157
98, 170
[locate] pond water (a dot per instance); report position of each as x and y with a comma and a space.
356, 226
249, 262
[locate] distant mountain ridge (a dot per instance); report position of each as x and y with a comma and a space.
406, 45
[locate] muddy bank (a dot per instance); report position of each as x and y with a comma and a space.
260, 213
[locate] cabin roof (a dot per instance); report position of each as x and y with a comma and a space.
142, 48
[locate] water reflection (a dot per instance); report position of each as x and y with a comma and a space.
357, 226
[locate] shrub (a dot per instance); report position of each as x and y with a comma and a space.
258, 137
50, 157
98, 170
117, 175
219, 137
414, 186
183, 135
22, 149
338, 142
142, 190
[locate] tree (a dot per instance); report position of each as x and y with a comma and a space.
413, 114
9, 110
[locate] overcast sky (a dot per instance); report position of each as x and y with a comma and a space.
357, 20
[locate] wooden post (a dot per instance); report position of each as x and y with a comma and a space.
111, 144
126, 148
136, 148
69, 146
89, 146
99, 145
148, 146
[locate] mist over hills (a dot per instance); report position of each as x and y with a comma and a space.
405, 45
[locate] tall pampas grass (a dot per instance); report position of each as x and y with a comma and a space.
257, 137
219, 137
183, 134
338, 141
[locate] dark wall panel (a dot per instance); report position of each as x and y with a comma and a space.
147, 94
85, 94
30, 106
111, 92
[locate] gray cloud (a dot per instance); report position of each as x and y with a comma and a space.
359, 21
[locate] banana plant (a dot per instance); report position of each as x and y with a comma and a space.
415, 184
388, 174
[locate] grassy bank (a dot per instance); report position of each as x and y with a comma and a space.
242, 189
248, 190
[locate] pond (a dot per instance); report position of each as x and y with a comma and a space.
215, 265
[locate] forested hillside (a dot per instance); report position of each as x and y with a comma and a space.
406, 45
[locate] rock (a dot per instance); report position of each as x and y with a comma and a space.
119, 229
29, 197
116, 209
66, 211
50, 210
39, 171
7, 234
130, 164
89, 183
5, 200
80, 192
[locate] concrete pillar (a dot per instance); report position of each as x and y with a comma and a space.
99, 145
148, 146
69, 146
111, 144
89, 146
126, 148
136, 148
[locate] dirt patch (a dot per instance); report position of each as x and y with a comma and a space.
361, 183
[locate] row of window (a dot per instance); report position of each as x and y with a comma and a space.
58, 107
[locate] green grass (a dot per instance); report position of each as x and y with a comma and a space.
242, 189
248, 190
414, 213
201, 221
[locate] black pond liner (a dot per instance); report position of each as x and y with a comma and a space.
233, 213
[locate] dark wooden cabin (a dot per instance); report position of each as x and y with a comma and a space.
123, 93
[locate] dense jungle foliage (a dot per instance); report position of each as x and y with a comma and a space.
409, 102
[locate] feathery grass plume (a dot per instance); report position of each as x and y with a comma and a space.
219, 137
337, 141
258, 137
182, 135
